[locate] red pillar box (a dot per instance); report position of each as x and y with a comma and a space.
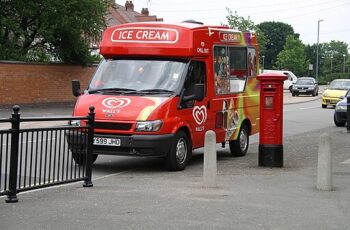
271, 119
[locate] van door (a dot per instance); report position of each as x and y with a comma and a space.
197, 111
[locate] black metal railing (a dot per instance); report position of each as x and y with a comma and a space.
39, 157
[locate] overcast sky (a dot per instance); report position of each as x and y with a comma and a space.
302, 15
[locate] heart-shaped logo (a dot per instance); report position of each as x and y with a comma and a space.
114, 103
200, 114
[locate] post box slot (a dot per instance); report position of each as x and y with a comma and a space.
269, 89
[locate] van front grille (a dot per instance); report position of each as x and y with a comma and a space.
113, 126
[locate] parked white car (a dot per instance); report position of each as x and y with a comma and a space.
287, 84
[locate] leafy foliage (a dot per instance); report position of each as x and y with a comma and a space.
331, 59
292, 57
49, 29
276, 34
240, 23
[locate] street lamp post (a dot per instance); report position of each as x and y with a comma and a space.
332, 64
344, 63
318, 40
263, 63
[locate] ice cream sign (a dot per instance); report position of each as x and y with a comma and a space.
145, 35
230, 37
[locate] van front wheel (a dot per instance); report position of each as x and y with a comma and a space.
239, 147
180, 152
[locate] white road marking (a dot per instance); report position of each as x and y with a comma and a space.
346, 162
314, 107
303, 108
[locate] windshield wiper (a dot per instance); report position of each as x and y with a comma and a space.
113, 90
155, 91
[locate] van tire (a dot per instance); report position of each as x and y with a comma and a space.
180, 152
338, 123
239, 147
80, 158
324, 106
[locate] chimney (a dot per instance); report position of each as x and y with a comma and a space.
129, 6
145, 11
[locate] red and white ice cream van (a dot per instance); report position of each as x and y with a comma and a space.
161, 86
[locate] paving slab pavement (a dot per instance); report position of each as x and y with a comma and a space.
145, 196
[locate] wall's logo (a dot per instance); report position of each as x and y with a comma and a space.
200, 114
115, 103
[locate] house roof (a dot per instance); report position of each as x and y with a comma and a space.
118, 14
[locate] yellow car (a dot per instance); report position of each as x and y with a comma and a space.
335, 92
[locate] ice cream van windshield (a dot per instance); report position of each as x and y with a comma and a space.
138, 76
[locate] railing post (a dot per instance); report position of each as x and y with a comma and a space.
91, 125
348, 114
15, 125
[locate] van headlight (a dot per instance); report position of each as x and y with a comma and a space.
148, 126
341, 108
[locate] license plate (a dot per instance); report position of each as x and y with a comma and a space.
302, 91
106, 141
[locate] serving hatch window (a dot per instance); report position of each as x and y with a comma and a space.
230, 69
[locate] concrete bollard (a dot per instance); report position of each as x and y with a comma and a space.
210, 165
324, 165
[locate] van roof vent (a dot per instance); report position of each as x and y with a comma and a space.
193, 21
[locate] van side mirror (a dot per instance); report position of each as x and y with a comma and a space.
197, 95
76, 88
199, 91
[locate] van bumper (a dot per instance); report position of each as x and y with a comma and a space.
133, 145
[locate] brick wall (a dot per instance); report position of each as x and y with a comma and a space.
22, 83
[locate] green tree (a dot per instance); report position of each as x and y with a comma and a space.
331, 59
276, 34
332, 54
310, 53
49, 29
292, 57
242, 24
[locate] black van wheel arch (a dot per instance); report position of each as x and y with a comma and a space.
80, 158
338, 123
